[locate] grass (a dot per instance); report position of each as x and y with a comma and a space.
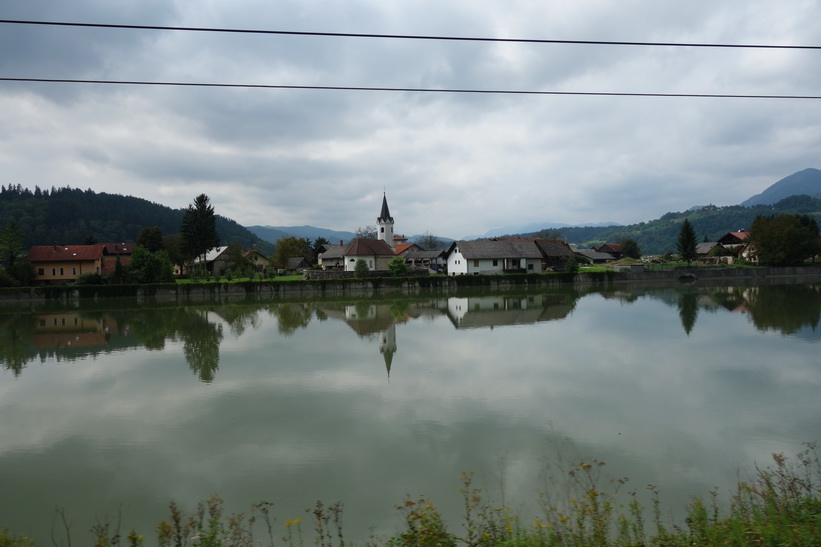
780, 505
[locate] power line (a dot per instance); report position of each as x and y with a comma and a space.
414, 36
410, 89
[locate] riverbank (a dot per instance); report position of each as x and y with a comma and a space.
313, 288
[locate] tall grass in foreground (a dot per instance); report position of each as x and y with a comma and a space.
780, 505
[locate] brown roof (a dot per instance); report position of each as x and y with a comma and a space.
65, 253
369, 247
120, 248
554, 247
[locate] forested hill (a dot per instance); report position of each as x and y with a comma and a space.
74, 216
659, 236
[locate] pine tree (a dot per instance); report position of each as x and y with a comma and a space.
198, 228
687, 241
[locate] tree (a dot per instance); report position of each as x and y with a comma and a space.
550, 234
687, 241
148, 267
429, 242
361, 268
366, 232
783, 240
398, 267
237, 261
151, 238
629, 248
291, 247
318, 242
11, 244
198, 228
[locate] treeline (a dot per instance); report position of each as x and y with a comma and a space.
72, 216
659, 236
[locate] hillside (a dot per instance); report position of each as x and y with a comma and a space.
659, 236
73, 216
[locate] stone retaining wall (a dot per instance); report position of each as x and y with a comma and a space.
336, 286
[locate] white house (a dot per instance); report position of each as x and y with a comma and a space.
488, 256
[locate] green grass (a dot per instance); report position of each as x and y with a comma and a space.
780, 505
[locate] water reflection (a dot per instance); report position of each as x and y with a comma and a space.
75, 334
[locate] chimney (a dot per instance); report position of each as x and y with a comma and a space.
340, 243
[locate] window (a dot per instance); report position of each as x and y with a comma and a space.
382, 229
62, 272
41, 271
530, 266
475, 263
54, 271
73, 271
495, 262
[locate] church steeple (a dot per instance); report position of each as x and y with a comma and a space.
384, 223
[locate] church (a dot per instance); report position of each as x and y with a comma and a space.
376, 253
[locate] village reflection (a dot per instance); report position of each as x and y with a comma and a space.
200, 329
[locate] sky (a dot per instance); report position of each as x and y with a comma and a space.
451, 164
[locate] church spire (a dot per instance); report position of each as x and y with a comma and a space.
385, 215
384, 223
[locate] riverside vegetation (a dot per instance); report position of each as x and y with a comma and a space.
779, 505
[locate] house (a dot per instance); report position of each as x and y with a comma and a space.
256, 259
732, 240
401, 249
114, 253
555, 253
65, 263
492, 256
433, 260
297, 264
595, 257
215, 260
613, 249
330, 257
375, 252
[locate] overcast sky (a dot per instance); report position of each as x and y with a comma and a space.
451, 164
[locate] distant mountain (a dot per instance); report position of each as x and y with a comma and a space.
534, 227
272, 234
806, 182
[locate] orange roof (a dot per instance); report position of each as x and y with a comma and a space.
402, 247
65, 253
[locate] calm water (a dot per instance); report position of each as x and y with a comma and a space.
366, 402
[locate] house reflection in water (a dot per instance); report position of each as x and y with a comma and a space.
492, 311
70, 330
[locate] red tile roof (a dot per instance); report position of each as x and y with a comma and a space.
65, 253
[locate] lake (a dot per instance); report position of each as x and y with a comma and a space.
118, 407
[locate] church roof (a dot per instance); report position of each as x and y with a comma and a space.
368, 247
385, 215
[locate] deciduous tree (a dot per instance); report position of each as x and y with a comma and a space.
784, 240
630, 248
291, 247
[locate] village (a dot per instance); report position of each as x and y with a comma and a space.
57, 263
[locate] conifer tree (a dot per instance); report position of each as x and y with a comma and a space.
687, 241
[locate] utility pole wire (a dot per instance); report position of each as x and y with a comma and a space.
410, 89
414, 36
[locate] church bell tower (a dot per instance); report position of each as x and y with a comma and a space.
384, 224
